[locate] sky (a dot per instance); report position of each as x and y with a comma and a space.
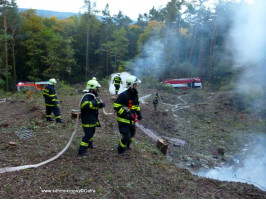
131, 8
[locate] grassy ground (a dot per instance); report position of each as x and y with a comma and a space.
143, 172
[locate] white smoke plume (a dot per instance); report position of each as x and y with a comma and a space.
123, 76
151, 60
249, 45
250, 170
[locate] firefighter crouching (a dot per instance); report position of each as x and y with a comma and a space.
51, 102
128, 111
117, 81
89, 115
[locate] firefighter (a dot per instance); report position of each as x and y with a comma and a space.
51, 102
117, 81
128, 111
155, 100
89, 115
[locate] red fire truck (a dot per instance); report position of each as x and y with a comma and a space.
32, 86
184, 83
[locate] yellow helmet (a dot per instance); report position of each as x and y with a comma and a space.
92, 85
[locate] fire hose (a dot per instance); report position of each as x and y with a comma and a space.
18, 168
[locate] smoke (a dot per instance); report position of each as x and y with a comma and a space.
123, 76
251, 170
151, 59
249, 45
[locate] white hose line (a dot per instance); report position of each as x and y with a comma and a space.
106, 112
179, 106
12, 169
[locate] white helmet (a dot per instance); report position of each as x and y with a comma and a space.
94, 79
131, 80
92, 84
52, 81
118, 74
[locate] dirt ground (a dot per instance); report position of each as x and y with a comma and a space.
144, 172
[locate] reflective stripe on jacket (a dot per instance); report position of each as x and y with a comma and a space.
117, 80
89, 111
126, 99
50, 96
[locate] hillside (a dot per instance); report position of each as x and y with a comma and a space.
50, 13
143, 172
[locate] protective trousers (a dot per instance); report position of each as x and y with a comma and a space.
128, 133
55, 110
117, 88
87, 140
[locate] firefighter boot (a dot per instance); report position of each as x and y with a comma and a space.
58, 120
121, 150
82, 151
128, 146
49, 119
91, 145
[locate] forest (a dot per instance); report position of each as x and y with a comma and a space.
182, 39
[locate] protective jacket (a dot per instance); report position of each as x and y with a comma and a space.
89, 110
50, 96
126, 105
117, 80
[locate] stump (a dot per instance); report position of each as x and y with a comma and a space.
162, 145
113, 97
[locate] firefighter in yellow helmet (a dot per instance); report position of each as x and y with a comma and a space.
117, 81
51, 102
128, 112
89, 106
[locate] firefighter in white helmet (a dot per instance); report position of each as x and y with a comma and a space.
128, 112
117, 81
89, 115
51, 102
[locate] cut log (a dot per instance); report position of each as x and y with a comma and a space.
13, 143
113, 97
162, 145
75, 113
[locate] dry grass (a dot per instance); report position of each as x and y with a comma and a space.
141, 173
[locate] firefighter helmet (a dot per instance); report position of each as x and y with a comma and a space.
92, 85
131, 80
52, 81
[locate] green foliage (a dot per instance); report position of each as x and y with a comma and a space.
152, 82
192, 41
63, 88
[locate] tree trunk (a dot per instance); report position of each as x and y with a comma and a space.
193, 43
107, 53
213, 41
6, 46
14, 58
200, 52
88, 3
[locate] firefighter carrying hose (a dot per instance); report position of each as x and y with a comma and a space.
51, 102
117, 81
128, 112
89, 115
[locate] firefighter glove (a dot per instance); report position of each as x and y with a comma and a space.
101, 105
